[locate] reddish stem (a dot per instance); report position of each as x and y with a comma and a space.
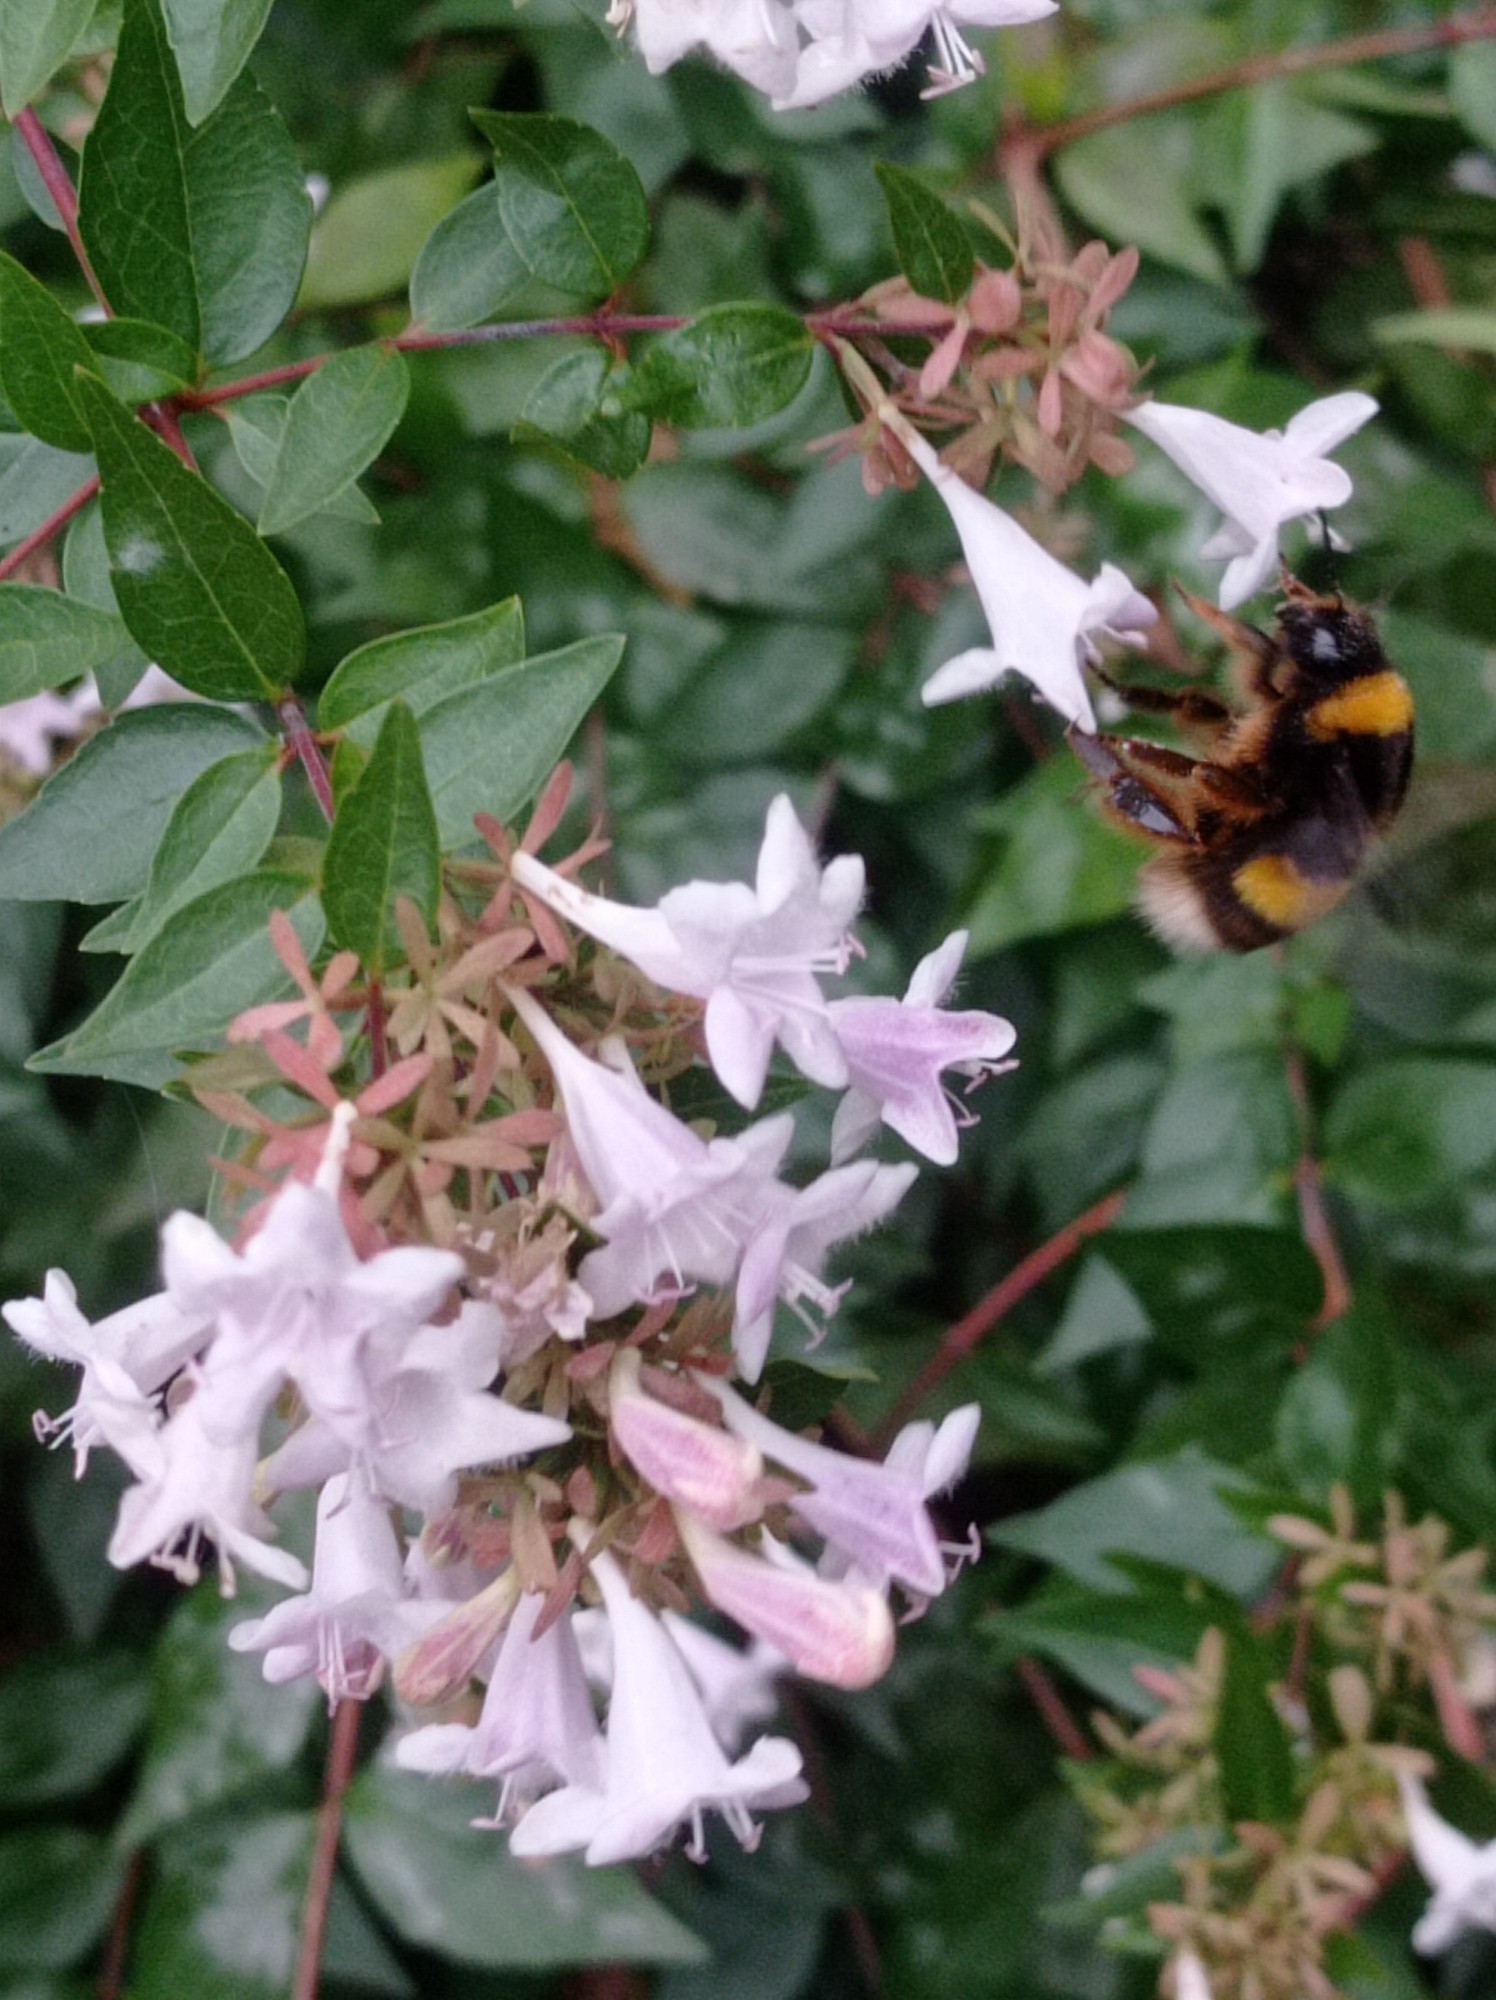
164, 420
111, 1984
379, 1052
307, 750
1020, 1281
38, 537
38, 143
1047, 1698
1478, 25
342, 1752
1314, 1218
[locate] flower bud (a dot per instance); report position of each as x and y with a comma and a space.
703, 1466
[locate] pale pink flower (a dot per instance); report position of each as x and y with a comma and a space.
702, 1466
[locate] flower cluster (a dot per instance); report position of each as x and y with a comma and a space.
490, 1301
1371, 1623
800, 52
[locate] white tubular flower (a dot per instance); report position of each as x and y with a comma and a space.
1044, 619
536, 1728
1259, 481
357, 1613
754, 38
751, 954
1190, 1982
858, 39
897, 1050
703, 1467
873, 1515
1461, 1874
663, 1766
836, 1631
736, 1683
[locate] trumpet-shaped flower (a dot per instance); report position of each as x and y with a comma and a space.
536, 1728
835, 1630
752, 954
1259, 481
1461, 1873
754, 38
1044, 619
356, 1614
735, 1682
873, 1515
852, 40
703, 1467
1190, 1982
897, 1050
663, 1766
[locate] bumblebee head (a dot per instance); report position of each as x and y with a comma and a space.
1328, 640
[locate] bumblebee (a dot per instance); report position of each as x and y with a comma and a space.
1267, 831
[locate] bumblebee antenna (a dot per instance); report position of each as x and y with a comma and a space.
1329, 548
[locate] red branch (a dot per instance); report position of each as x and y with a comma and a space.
1020, 1281
307, 750
1060, 1723
38, 143
342, 1751
74, 504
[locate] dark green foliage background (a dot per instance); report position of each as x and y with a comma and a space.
773, 644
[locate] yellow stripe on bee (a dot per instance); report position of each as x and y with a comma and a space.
1374, 705
1274, 890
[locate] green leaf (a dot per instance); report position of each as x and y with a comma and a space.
1270, 140
206, 964
212, 40
571, 406
138, 360
220, 828
57, 1889
732, 366
1472, 89
40, 347
448, 1887
89, 834
217, 1726
1168, 1511
256, 427
468, 269
36, 38
491, 747
1059, 864
421, 667
366, 241
1249, 1287
383, 845
202, 230
1100, 1637
35, 480
1339, 1417
338, 421
571, 204
933, 249
1471, 327
1401, 1132
752, 696
197, 587
1251, 1739
1133, 182
47, 639
67, 1721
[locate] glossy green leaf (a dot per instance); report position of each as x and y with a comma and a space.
468, 269
421, 668
197, 587
257, 425
40, 347
338, 421
1339, 1419
491, 747
204, 230
732, 366
207, 963
1268, 141
752, 695
571, 204
90, 833
1472, 327
85, 578
216, 1724
1404, 1129
1100, 1637
35, 480
1252, 1743
57, 1889
36, 38
1169, 1511
384, 846
47, 639
212, 41
366, 241
574, 407
139, 361
1251, 1287
67, 1721
220, 828
445, 1885
932, 247
1058, 864
1133, 182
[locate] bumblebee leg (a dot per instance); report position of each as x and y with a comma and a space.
1253, 652
1191, 706
1142, 806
